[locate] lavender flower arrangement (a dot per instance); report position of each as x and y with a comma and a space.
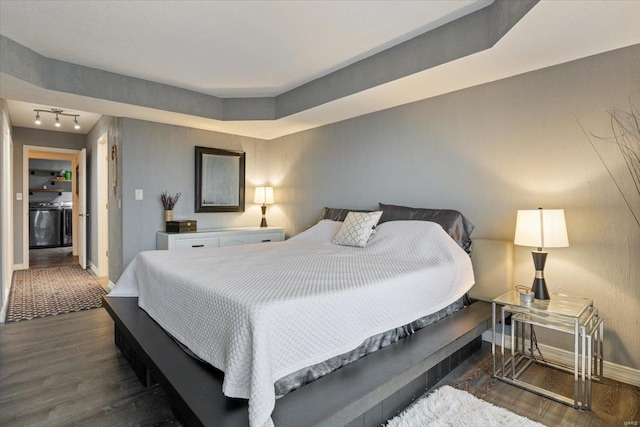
168, 202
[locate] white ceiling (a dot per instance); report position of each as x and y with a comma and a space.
265, 48
222, 48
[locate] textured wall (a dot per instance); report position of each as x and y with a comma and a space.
489, 151
41, 138
157, 157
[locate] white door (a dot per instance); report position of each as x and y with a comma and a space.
82, 212
101, 214
6, 220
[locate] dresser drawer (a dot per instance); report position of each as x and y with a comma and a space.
266, 237
213, 238
211, 242
239, 239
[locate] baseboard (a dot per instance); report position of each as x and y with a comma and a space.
109, 286
20, 267
612, 370
93, 268
5, 300
3, 312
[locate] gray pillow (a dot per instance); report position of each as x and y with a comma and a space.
337, 214
453, 222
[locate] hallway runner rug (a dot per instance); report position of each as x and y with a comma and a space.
41, 292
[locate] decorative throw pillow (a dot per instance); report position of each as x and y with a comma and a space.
357, 228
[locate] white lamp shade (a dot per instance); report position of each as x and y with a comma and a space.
264, 196
541, 228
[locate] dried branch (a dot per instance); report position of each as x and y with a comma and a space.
168, 202
625, 127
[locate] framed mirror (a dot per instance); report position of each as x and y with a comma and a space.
219, 180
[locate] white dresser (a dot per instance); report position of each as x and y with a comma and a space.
215, 237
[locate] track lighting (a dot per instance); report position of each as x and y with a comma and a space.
58, 112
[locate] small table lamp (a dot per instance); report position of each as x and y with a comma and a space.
264, 196
541, 228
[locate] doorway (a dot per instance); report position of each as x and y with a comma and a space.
54, 178
50, 204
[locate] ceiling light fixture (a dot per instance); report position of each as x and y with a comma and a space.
58, 112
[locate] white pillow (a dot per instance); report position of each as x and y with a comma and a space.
357, 228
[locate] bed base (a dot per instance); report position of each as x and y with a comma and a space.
365, 393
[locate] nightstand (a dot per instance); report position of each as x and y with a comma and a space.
574, 316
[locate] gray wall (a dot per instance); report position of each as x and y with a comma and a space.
111, 126
42, 138
37, 180
489, 151
157, 157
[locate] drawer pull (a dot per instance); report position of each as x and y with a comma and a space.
197, 246
266, 240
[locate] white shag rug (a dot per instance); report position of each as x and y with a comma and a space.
448, 406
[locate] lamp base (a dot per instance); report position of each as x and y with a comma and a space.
539, 287
263, 223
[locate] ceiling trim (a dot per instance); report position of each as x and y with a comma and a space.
467, 35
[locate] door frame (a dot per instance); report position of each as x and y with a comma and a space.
6, 220
102, 207
39, 152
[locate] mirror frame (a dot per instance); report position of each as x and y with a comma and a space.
204, 176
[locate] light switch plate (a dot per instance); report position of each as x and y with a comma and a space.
18, 196
139, 194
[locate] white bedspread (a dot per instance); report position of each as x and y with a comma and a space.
260, 312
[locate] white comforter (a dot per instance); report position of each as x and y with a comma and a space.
260, 312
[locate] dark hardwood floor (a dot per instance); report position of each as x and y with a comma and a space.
65, 370
51, 257
614, 403
56, 257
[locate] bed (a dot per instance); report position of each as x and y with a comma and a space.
297, 303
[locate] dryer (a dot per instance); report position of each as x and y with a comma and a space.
45, 223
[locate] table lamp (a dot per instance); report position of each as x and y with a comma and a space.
541, 228
264, 197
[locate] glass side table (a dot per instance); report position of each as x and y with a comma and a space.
572, 315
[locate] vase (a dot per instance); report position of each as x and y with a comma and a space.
168, 215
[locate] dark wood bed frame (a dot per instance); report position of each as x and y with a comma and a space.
365, 393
